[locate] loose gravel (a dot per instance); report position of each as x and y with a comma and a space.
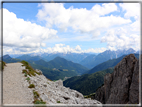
15, 87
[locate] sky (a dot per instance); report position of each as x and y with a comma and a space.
70, 27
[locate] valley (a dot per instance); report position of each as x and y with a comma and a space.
76, 73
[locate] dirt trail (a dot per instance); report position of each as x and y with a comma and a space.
14, 89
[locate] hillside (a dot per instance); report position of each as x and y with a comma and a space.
107, 64
54, 74
62, 65
87, 83
23, 85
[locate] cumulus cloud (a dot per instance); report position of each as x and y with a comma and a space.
82, 20
132, 9
62, 48
118, 39
24, 34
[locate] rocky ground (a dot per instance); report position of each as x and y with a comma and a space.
16, 91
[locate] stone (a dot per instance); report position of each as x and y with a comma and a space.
134, 89
55, 93
121, 87
39, 71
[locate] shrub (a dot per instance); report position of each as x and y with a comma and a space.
58, 101
28, 79
36, 94
25, 63
3, 64
26, 72
31, 86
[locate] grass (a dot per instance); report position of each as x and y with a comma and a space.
58, 101
36, 94
89, 96
39, 102
31, 71
37, 99
28, 79
31, 86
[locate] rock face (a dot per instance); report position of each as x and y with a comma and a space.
122, 86
55, 93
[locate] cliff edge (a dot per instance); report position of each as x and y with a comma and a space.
122, 86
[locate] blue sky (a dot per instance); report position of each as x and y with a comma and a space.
70, 27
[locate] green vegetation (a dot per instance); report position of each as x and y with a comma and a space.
30, 71
28, 79
58, 101
3, 64
36, 94
58, 68
31, 86
89, 96
53, 74
26, 72
87, 83
37, 99
39, 102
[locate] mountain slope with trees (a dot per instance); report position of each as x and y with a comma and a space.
87, 83
62, 64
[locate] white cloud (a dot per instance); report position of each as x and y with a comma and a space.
24, 34
62, 48
82, 20
132, 9
118, 39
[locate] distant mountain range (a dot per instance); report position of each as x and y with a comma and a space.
74, 57
58, 68
108, 64
102, 57
29, 58
55, 65
8, 59
87, 60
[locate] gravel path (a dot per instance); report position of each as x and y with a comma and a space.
15, 87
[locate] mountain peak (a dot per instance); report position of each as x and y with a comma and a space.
6, 56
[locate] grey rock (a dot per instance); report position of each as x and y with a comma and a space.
54, 92
39, 71
134, 89
121, 87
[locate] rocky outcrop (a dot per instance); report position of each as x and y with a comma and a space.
122, 86
55, 93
